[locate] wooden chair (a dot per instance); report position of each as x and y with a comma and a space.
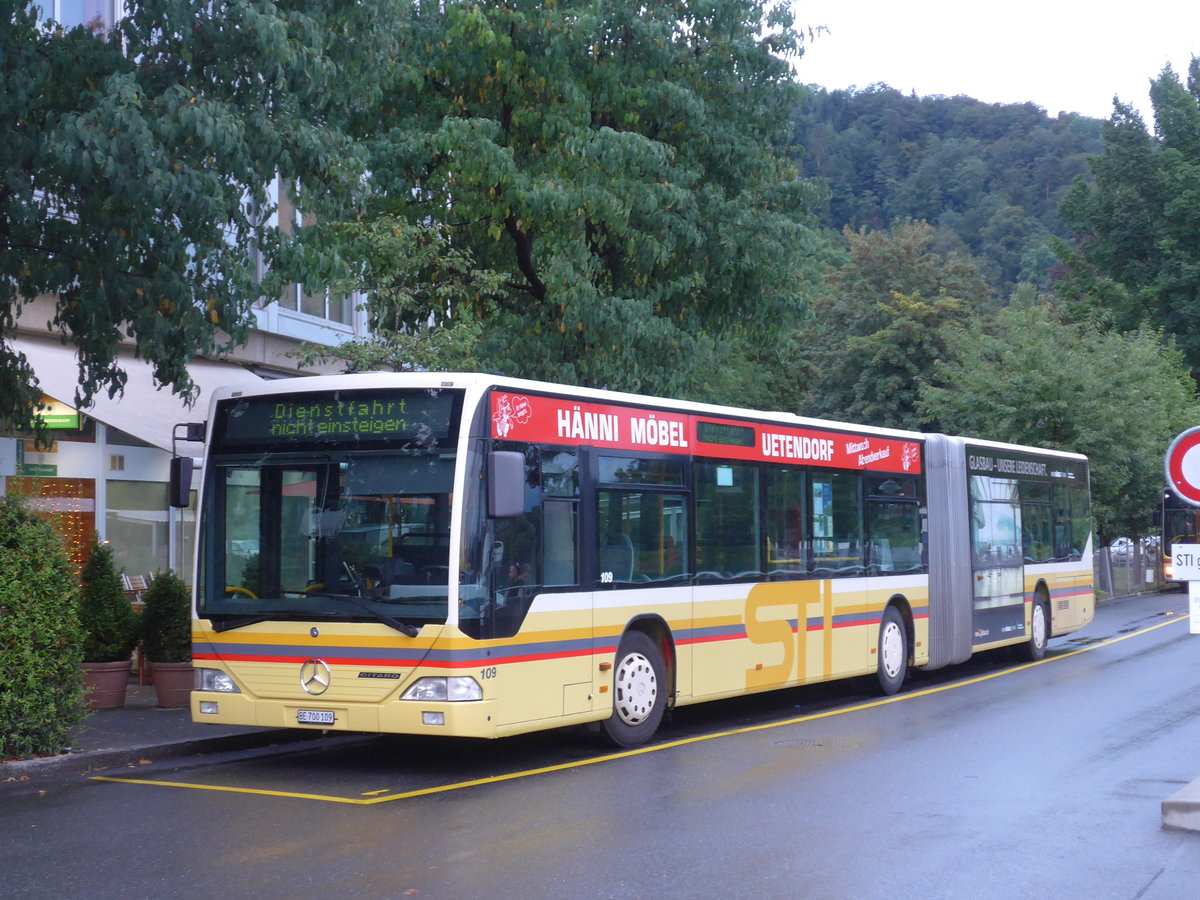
134, 585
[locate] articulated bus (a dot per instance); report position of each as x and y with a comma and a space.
469, 555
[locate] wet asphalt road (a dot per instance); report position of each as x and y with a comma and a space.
987, 780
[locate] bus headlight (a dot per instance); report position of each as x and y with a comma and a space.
439, 687
215, 680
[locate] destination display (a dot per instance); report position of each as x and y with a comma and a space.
1007, 464
721, 433
326, 419
559, 420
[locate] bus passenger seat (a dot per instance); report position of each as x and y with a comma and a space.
616, 556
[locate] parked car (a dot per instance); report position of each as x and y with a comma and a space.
1121, 550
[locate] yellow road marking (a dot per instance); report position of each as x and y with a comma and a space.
371, 800
231, 790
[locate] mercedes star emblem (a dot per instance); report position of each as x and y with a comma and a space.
315, 677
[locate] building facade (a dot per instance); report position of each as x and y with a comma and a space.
106, 468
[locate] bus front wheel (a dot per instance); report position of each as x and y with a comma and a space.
639, 691
893, 651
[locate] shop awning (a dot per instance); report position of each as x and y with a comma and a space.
144, 411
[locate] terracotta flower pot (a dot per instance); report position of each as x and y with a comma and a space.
172, 683
105, 684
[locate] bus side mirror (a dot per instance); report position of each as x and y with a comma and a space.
506, 484
181, 481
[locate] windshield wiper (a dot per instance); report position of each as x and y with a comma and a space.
402, 627
242, 621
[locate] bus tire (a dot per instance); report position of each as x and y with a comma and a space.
1039, 630
639, 691
893, 651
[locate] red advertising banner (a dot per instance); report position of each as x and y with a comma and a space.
561, 421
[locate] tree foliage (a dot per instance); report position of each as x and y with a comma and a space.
988, 177
621, 164
1137, 254
135, 168
1027, 376
894, 360
875, 331
426, 299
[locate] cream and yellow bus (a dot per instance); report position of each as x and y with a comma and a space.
470, 555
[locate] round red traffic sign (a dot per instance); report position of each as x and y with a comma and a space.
1183, 466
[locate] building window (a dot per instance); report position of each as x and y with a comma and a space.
315, 300
136, 525
323, 304
96, 15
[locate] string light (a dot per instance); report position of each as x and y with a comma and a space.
69, 505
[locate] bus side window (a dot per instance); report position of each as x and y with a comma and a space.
560, 517
786, 544
1063, 531
894, 524
642, 537
837, 524
728, 545
895, 530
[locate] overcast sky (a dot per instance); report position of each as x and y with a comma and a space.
1060, 54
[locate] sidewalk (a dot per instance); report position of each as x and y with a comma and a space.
141, 732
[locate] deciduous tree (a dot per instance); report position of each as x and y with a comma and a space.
1029, 377
874, 332
1137, 250
135, 164
621, 163
426, 299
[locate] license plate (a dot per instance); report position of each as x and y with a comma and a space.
314, 716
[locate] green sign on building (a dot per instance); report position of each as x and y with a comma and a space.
58, 416
38, 470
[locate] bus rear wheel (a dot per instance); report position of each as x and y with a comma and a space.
893, 651
639, 691
1039, 631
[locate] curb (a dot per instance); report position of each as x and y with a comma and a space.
1182, 809
98, 760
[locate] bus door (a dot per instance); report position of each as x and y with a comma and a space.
527, 605
997, 564
641, 534
895, 551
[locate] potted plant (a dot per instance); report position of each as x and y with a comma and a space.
110, 628
167, 636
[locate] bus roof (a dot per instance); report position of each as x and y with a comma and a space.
477, 383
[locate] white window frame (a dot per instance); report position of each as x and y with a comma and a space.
112, 12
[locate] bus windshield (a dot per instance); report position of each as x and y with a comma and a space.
337, 522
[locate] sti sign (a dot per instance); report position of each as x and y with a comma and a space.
1183, 466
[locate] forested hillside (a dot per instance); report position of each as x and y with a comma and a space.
988, 177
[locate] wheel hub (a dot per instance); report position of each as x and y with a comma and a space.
636, 689
891, 650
